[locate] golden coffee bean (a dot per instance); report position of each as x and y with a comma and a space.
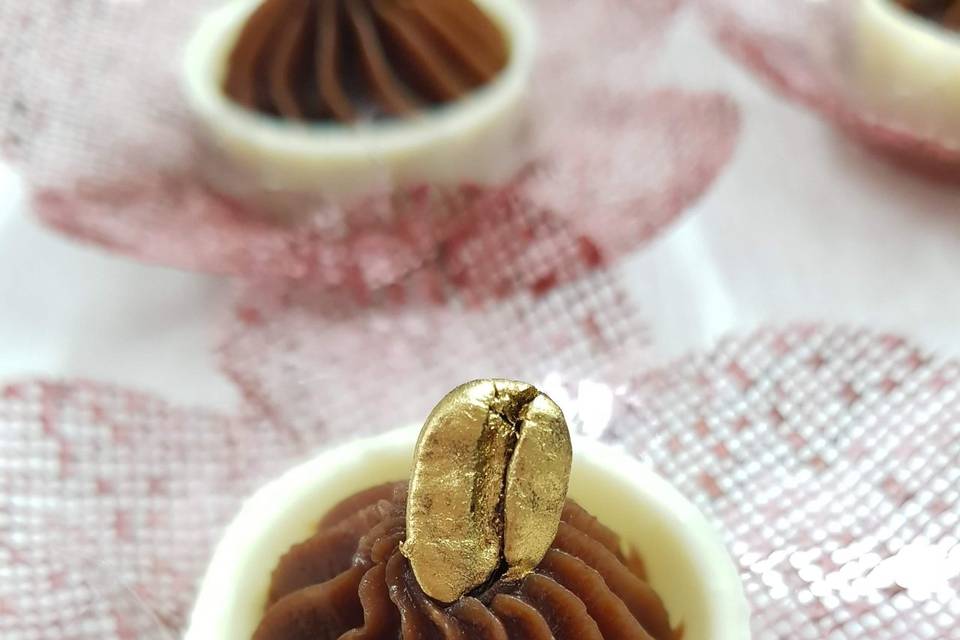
489, 482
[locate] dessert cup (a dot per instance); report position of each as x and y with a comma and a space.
686, 561
882, 75
908, 68
473, 140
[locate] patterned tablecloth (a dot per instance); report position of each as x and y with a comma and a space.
785, 351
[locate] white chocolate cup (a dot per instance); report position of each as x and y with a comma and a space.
686, 561
475, 139
908, 69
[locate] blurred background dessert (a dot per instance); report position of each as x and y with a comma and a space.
344, 99
908, 60
703, 275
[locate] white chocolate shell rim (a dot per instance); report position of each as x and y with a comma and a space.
686, 560
907, 74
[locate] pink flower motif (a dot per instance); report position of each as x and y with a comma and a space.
838, 513
293, 350
92, 115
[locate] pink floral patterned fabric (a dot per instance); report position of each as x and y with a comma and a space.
828, 458
110, 502
831, 458
799, 48
111, 154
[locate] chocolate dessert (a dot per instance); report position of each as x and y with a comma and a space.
338, 60
307, 104
481, 543
944, 12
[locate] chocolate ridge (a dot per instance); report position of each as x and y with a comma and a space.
585, 588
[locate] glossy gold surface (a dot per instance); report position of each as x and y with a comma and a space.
490, 478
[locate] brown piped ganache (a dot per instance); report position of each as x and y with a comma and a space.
351, 582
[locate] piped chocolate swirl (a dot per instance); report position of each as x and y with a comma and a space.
350, 581
341, 60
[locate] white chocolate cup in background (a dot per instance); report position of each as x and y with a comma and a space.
685, 559
474, 140
908, 70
